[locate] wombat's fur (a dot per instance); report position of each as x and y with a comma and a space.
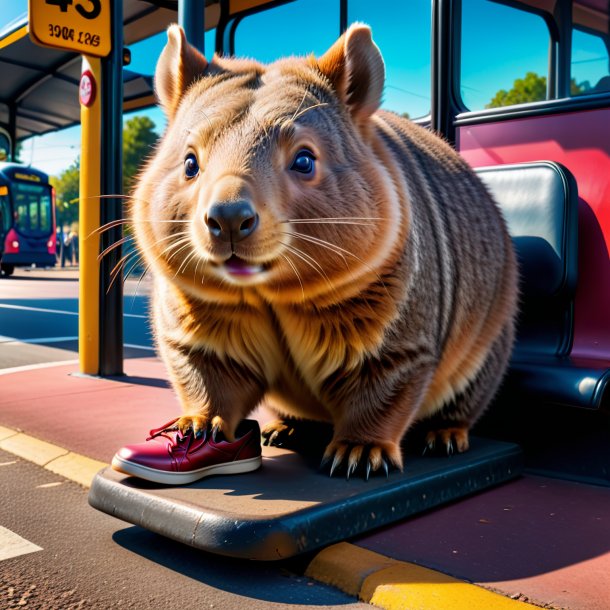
370, 281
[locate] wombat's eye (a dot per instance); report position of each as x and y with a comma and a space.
191, 167
304, 163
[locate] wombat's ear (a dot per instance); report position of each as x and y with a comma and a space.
355, 68
179, 65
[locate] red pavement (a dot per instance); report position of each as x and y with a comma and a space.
546, 540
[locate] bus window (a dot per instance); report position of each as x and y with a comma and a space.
296, 28
590, 63
32, 205
402, 31
504, 55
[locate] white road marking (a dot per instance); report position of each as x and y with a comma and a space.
61, 311
13, 545
134, 346
33, 367
9, 340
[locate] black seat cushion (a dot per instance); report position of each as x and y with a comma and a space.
540, 203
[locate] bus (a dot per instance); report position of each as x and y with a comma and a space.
27, 218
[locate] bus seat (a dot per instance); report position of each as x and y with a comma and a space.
540, 203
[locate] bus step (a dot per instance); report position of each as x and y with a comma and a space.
288, 507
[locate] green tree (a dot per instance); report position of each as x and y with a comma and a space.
66, 194
531, 88
139, 137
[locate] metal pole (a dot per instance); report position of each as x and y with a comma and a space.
111, 277
89, 223
191, 16
12, 130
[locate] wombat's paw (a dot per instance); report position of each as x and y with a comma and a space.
364, 458
199, 423
447, 440
195, 423
277, 432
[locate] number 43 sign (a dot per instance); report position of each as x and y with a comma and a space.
75, 25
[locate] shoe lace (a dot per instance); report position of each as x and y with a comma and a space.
168, 427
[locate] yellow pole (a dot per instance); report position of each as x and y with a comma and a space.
89, 221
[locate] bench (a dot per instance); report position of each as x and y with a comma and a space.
540, 203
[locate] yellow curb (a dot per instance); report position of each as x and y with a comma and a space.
72, 466
398, 585
346, 566
6, 433
32, 449
77, 468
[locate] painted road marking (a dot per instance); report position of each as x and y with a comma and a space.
13, 545
61, 311
10, 340
33, 367
72, 466
144, 347
4, 340
391, 584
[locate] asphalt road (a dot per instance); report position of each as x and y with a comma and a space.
76, 557
39, 317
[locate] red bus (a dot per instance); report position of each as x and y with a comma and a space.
27, 218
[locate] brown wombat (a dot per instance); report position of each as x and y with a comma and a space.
308, 248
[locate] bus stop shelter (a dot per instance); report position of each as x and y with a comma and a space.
288, 507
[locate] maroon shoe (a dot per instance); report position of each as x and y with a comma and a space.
173, 458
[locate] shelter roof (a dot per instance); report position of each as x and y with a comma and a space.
42, 83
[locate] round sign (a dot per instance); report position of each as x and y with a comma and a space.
86, 89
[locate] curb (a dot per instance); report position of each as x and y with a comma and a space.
70, 465
373, 578
396, 585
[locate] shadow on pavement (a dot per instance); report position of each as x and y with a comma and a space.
257, 580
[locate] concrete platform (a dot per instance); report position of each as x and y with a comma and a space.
288, 507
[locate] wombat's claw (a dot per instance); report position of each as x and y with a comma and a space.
450, 439
274, 434
366, 458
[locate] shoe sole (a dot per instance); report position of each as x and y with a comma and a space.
183, 478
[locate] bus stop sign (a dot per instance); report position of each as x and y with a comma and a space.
74, 25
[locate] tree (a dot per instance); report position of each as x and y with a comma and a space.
531, 88
66, 194
139, 137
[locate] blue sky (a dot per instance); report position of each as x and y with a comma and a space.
499, 44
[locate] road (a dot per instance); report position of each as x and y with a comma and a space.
75, 557
39, 317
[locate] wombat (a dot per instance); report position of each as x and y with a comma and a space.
312, 250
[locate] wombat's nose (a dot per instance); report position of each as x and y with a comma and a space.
231, 221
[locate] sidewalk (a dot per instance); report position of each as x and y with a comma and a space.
542, 540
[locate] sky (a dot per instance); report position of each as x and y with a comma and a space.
499, 44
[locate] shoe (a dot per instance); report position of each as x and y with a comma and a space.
173, 458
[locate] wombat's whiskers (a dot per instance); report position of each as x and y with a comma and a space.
337, 250
296, 272
312, 262
334, 221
